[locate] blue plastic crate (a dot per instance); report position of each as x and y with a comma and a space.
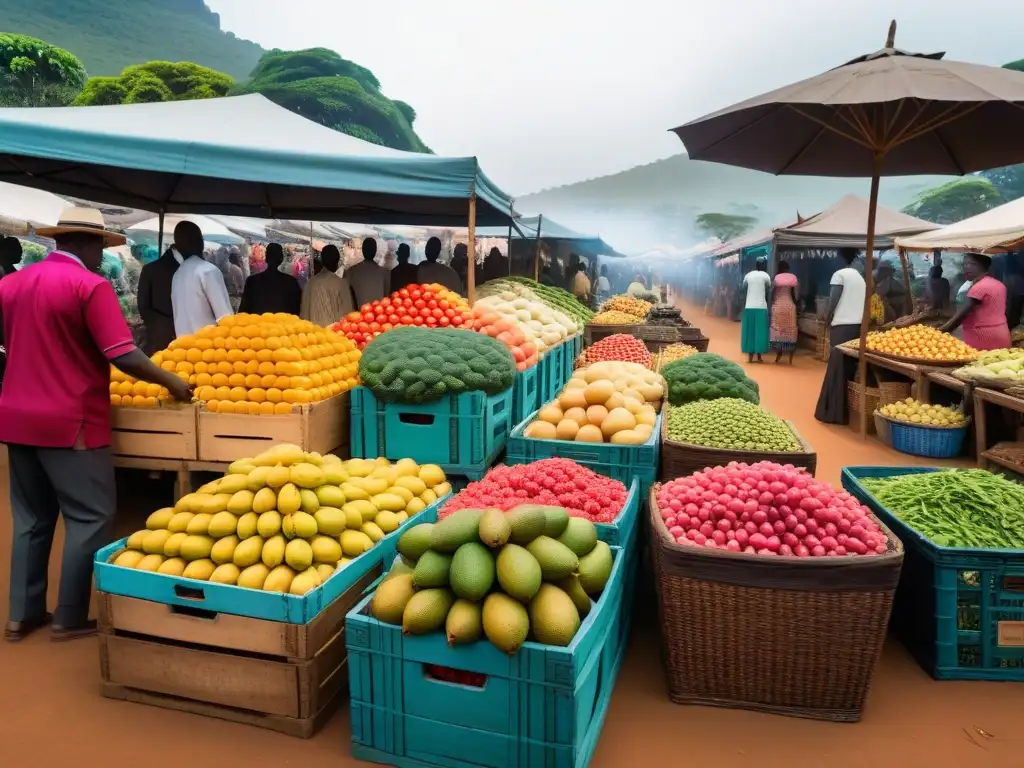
542, 707
239, 601
621, 532
552, 371
463, 433
624, 463
570, 352
525, 394
960, 612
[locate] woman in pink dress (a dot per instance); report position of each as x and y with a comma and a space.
983, 315
784, 331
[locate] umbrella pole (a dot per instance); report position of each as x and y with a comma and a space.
536, 250
160, 236
471, 267
869, 279
908, 297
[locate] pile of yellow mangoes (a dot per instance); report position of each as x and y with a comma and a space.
283, 521
920, 342
912, 411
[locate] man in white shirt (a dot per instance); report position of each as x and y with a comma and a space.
198, 295
845, 312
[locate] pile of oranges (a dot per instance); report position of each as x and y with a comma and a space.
251, 364
920, 342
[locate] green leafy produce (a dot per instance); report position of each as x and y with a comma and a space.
707, 376
730, 423
556, 298
419, 365
969, 508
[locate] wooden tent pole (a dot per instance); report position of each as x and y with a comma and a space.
471, 267
908, 297
869, 279
160, 237
536, 250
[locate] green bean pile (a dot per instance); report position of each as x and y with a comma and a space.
956, 508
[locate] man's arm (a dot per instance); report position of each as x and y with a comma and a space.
217, 294
144, 297
833, 302
961, 315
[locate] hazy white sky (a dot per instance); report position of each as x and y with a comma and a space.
548, 92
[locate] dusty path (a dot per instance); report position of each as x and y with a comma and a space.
53, 715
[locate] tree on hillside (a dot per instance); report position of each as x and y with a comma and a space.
956, 200
155, 81
34, 73
724, 226
1017, 65
322, 86
1009, 181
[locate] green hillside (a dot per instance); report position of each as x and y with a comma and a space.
109, 35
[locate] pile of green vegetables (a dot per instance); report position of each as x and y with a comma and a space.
556, 298
706, 376
420, 365
968, 508
731, 424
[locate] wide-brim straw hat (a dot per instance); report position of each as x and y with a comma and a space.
88, 221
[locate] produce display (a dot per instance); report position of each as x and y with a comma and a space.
670, 354
538, 324
913, 411
530, 572
666, 314
619, 346
730, 423
877, 309
1004, 364
956, 508
614, 317
250, 364
283, 521
706, 376
630, 305
607, 402
550, 483
767, 509
556, 298
920, 342
419, 365
428, 306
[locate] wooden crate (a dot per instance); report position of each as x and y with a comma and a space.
167, 433
322, 427
284, 677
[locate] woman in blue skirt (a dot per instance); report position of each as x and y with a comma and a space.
754, 329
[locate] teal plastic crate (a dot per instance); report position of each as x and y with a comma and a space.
624, 463
621, 532
551, 374
238, 601
540, 708
462, 433
960, 612
570, 351
525, 394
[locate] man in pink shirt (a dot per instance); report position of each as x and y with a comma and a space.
62, 326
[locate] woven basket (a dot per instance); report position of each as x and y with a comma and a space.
881, 428
927, 441
783, 635
855, 404
682, 459
890, 392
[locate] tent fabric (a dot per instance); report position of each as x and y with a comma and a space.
996, 230
213, 231
241, 156
23, 208
526, 228
845, 225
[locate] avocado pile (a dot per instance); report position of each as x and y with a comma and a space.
529, 573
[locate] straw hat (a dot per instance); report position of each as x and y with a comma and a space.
86, 220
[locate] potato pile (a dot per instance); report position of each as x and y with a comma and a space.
607, 402
911, 411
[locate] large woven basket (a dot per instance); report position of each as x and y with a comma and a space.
682, 459
784, 635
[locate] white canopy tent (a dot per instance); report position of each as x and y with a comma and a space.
23, 209
998, 230
213, 231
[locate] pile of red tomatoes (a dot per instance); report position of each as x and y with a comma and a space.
429, 306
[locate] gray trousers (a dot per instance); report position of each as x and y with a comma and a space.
45, 483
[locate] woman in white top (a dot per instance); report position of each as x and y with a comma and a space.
754, 336
845, 311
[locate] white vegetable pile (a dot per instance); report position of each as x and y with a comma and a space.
542, 325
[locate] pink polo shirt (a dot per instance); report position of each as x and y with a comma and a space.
61, 326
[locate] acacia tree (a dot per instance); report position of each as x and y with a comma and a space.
724, 226
956, 200
322, 86
156, 81
34, 73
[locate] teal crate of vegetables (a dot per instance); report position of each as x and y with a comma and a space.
571, 351
525, 393
416, 701
959, 606
462, 433
552, 373
624, 463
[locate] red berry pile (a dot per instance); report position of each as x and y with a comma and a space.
620, 347
549, 483
767, 509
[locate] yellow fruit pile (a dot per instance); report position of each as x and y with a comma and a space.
283, 521
638, 308
912, 411
614, 317
607, 402
670, 354
877, 308
251, 364
920, 342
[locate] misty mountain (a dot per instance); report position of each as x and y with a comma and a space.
656, 204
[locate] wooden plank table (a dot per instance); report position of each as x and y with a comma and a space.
984, 401
915, 372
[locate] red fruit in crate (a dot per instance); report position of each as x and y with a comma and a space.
620, 347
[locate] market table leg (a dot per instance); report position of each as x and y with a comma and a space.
182, 483
980, 431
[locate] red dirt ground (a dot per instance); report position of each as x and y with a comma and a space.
52, 713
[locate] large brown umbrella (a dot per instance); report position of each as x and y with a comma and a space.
889, 113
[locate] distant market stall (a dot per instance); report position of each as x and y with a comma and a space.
999, 230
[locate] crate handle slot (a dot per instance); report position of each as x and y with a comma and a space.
1013, 584
189, 593
417, 419
191, 612
445, 675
